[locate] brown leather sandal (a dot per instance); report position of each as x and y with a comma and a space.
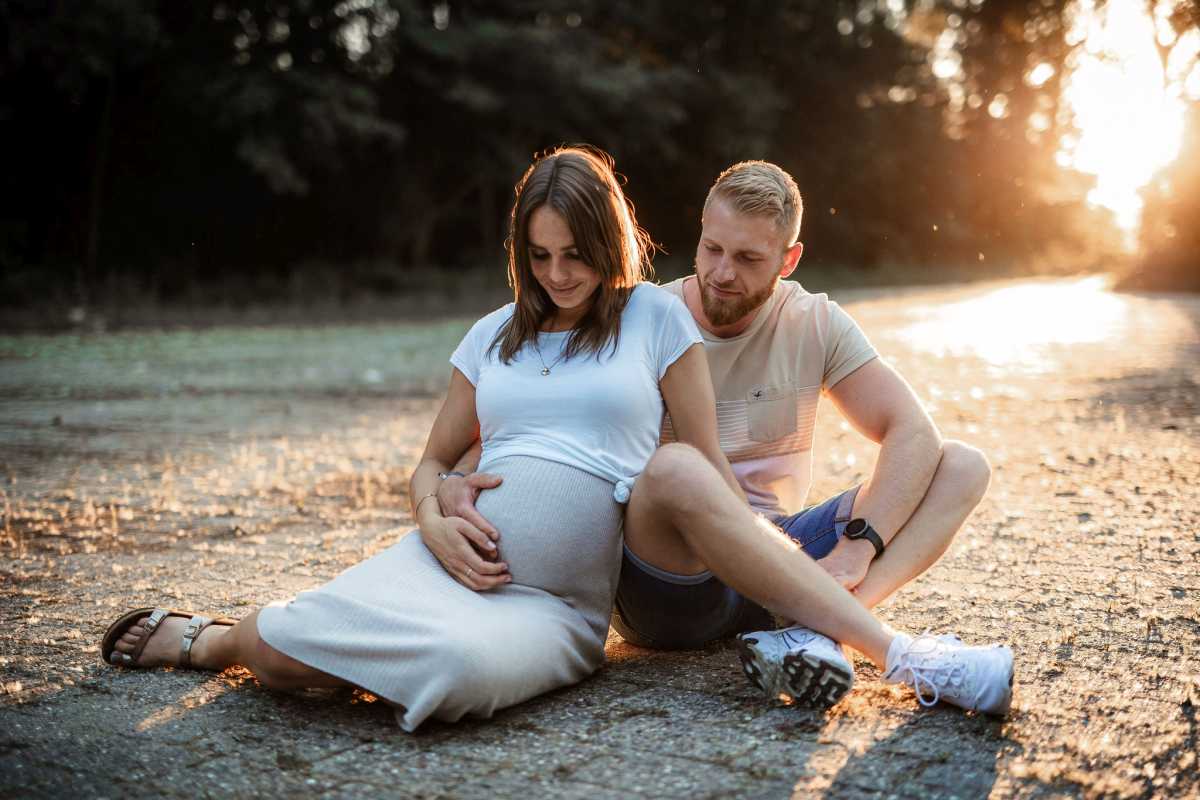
152, 617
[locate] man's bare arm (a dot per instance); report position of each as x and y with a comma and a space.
880, 405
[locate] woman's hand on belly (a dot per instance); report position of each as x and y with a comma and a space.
457, 495
458, 545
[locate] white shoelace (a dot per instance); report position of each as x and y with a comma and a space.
791, 638
947, 673
797, 639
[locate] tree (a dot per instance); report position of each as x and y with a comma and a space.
1170, 236
61, 65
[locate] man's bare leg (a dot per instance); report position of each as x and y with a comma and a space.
958, 485
683, 517
219, 646
682, 509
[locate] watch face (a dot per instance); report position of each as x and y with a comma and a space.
855, 527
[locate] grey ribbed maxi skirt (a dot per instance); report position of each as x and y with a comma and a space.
399, 626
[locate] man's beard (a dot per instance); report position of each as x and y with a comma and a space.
726, 312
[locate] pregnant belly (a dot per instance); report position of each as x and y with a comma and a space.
560, 529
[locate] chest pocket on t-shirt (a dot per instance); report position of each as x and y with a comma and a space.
771, 412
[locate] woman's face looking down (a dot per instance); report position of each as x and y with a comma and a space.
557, 267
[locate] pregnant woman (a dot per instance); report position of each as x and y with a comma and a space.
566, 389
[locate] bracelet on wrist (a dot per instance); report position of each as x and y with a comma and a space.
417, 507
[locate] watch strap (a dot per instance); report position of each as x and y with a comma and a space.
861, 529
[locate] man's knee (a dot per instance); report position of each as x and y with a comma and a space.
671, 473
967, 469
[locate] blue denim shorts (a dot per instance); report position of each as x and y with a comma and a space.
660, 609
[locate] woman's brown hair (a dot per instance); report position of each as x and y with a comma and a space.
580, 184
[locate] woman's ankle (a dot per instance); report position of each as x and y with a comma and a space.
210, 650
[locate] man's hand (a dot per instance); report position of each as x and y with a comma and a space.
848, 561
458, 545
456, 497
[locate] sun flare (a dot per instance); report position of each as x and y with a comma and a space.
1128, 106
1025, 328
1020, 328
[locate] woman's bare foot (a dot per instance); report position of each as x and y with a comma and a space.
163, 649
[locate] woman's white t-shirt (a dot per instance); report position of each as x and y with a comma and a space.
601, 413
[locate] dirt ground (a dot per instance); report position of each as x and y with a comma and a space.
224, 469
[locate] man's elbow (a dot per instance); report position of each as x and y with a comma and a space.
921, 438
915, 427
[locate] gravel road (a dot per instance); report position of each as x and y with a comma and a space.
227, 468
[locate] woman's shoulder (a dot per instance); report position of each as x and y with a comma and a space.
494, 319
659, 304
652, 298
660, 313
483, 331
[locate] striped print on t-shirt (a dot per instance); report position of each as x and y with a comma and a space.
768, 382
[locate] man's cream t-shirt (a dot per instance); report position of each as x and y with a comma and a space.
768, 381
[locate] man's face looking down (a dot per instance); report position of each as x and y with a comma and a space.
739, 261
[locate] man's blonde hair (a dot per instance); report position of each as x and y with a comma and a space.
761, 189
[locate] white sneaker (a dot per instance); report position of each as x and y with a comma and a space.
943, 668
798, 663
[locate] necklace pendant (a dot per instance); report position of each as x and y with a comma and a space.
545, 370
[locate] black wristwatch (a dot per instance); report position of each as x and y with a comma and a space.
859, 528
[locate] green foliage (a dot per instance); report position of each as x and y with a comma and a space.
170, 143
74, 44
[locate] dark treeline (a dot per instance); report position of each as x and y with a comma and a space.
165, 145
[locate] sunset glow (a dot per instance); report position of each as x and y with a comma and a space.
1128, 110
1053, 315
